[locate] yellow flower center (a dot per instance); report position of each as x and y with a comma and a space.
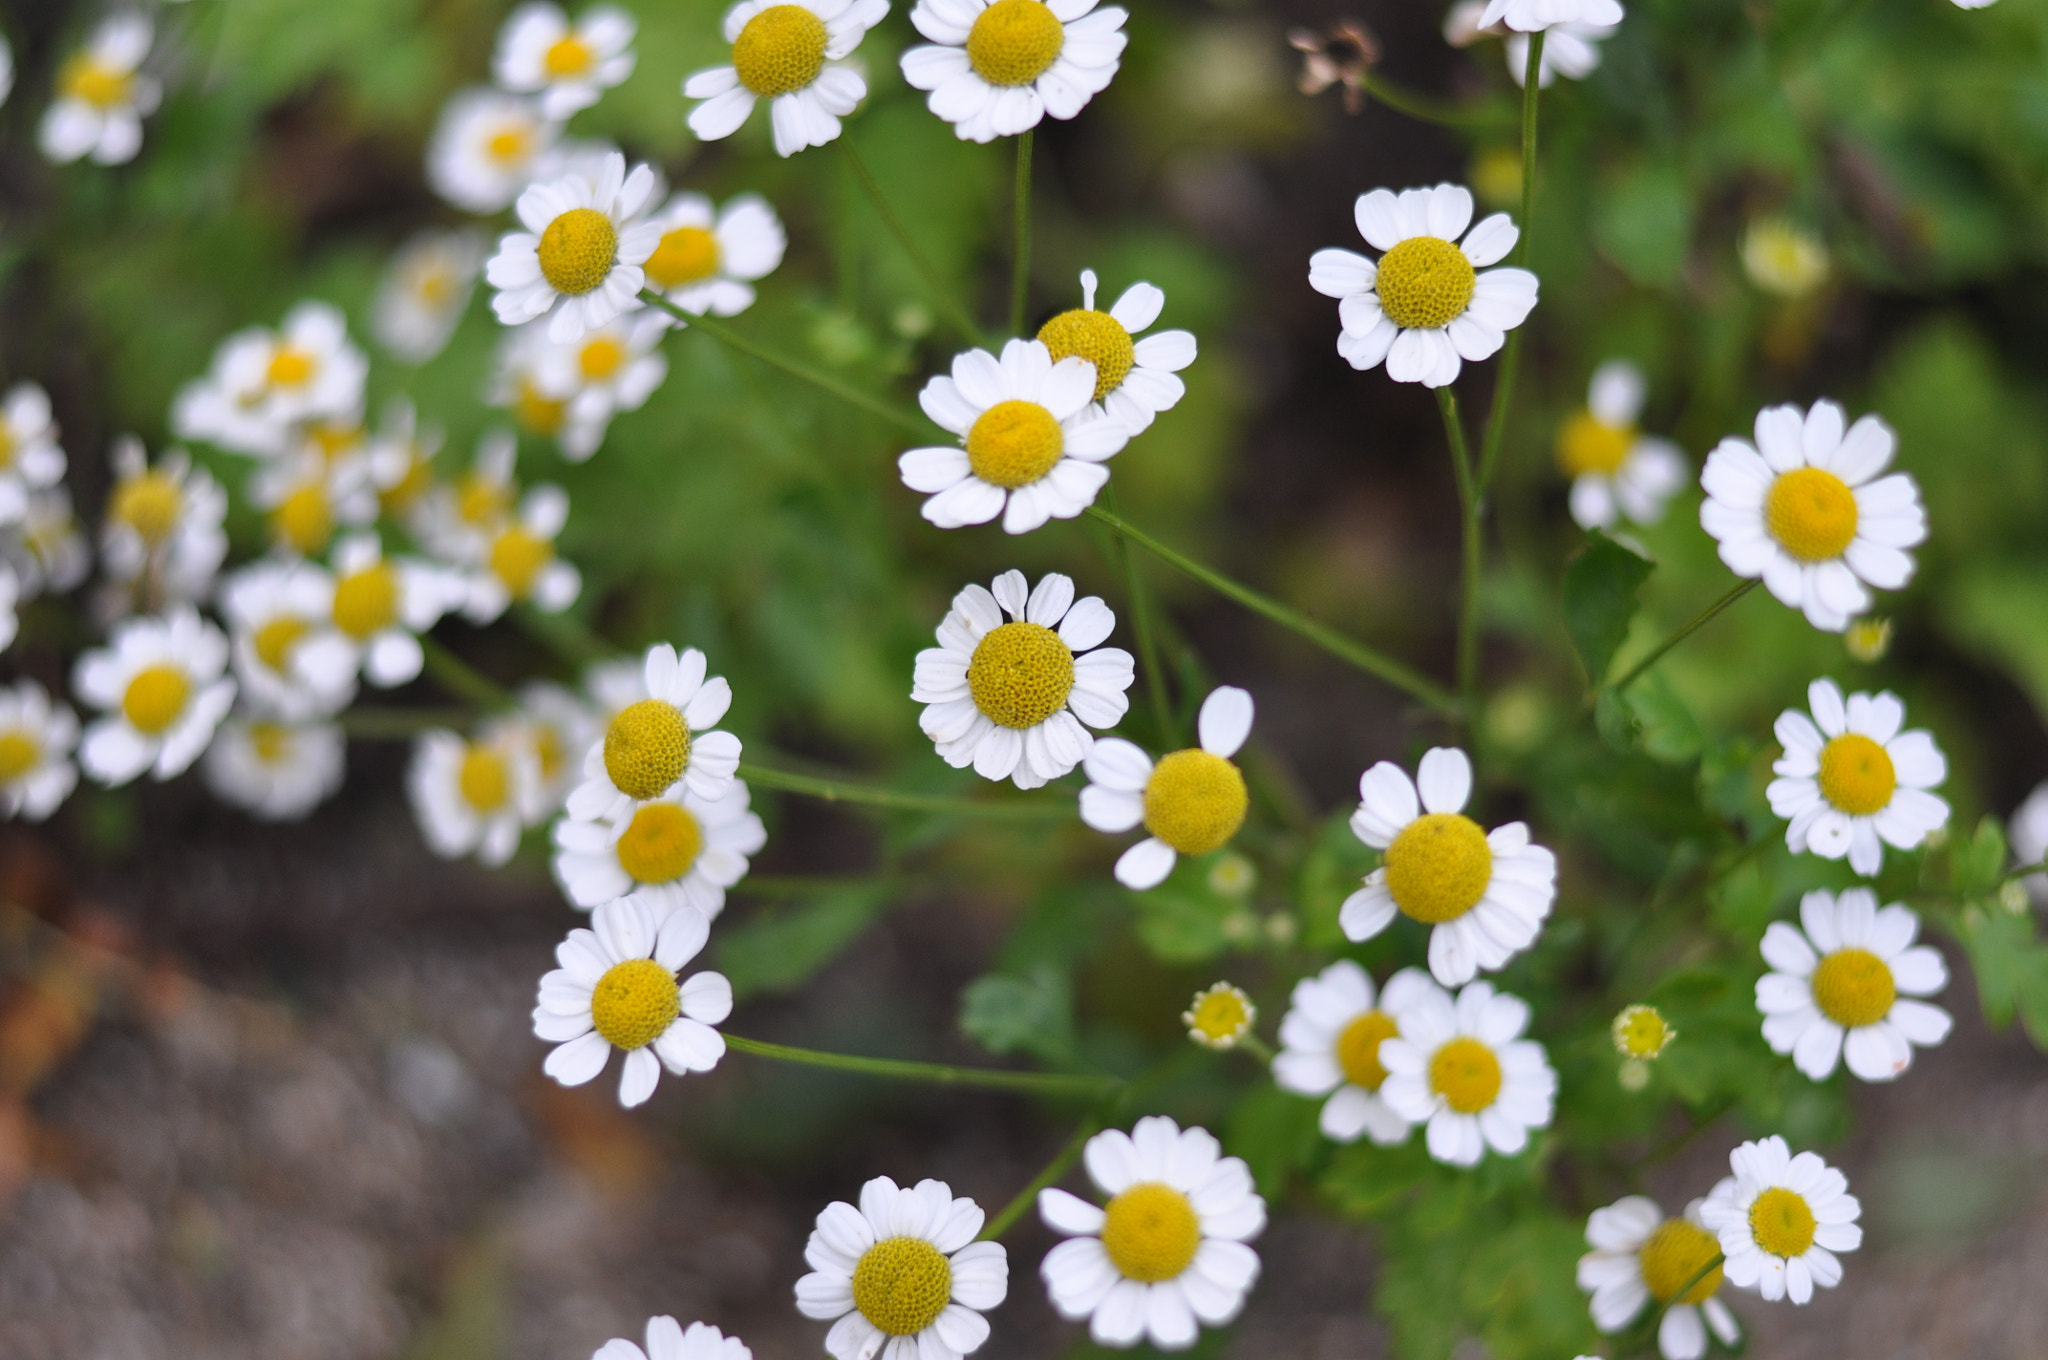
634, 1002
537, 413
19, 753
1439, 866
1676, 1252
435, 286
1014, 443
155, 698
290, 366
601, 357
1466, 1074
303, 520
149, 505
1220, 1014
274, 640
6, 445
1014, 42
1150, 1232
86, 78
1640, 1032
780, 51
1097, 337
685, 255
366, 603
568, 57
1854, 988
1021, 674
484, 780
1358, 1048
1586, 444
517, 556
901, 1284
578, 250
272, 742
510, 144
647, 748
1856, 775
333, 438
660, 844
1812, 514
1781, 1222
1424, 283
1194, 801
549, 751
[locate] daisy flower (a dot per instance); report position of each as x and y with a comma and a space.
519, 561
1640, 1257
1781, 1219
560, 727
380, 605
1424, 307
667, 1340
1484, 895
1617, 471
163, 523
1571, 50
263, 382
275, 771
1463, 1067
1804, 509
1220, 1017
102, 96
1032, 441
578, 261
673, 851
1850, 782
1844, 987
1192, 801
47, 550
1009, 696
788, 53
1134, 379
425, 292
1536, 16
617, 988
997, 69
286, 659
1330, 1046
486, 148
308, 495
902, 1276
566, 66
159, 683
660, 739
1167, 1252
613, 368
708, 259
401, 461
2028, 834
461, 517
36, 738
474, 797
30, 458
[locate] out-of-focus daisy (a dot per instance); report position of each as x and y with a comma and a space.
102, 95
30, 457
425, 291
2027, 833
275, 771
520, 564
1463, 1067
617, 989
667, 1340
663, 737
401, 462
1168, 1252
1641, 1257
567, 66
1424, 307
474, 797
1330, 1046
1617, 471
515, 382
380, 606
485, 149
673, 851
788, 53
1484, 895
708, 260
1191, 801
902, 1276
1220, 1017
560, 726
997, 67
1032, 442
1571, 50
159, 684
307, 496
1781, 1219
47, 550
613, 368
282, 652
1784, 258
1009, 696
578, 261
1844, 987
1850, 782
462, 515
1134, 379
263, 382
36, 739
1535, 16
163, 527
1804, 509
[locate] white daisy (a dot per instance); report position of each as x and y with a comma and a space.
663, 737
560, 727
474, 797
401, 461
617, 988
1850, 782
515, 383
308, 496
1617, 471
486, 148
159, 683
1571, 50
275, 771
1799, 509
263, 382
1465, 1069
1134, 379
36, 739
1167, 1253
1781, 1219
102, 95
667, 1340
1639, 1257
47, 550
2028, 834
30, 457
902, 1276
519, 563
998, 68
673, 851
708, 260
1484, 895
1844, 987
789, 53
612, 368
1330, 1046
425, 291
379, 607
579, 258
1424, 307
288, 661
1191, 801
567, 66
1032, 440
1535, 16
460, 518
163, 527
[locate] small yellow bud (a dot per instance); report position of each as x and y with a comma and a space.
1220, 1016
1641, 1034
1868, 639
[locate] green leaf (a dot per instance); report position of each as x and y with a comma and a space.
1276, 1133
1331, 872
1010, 1014
1978, 864
1668, 730
1645, 224
1615, 720
782, 948
1600, 588
1184, 920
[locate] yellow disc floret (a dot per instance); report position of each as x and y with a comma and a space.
660, 844
536, 412
304, 519
510, 144
291, 366
366, 603
1856, 775
1587, 444
1466, 1074
1220, 1016
85, 77
601, 357
1812, 514
275, 639
1854, 988
1439, 866
1014, 42
19, 753
780, 51
1641, 1032
1358, 1049
1097, 337
567, 58
1150, 1232
1781, 1222
485, 780
517, 557
155, 698
1020, 674
578, 250
685, 255
1424, 283
634, 1002
1195, 801
902, 1284
1675, 1254
1014, 443
272, 742
647, 748
148, 504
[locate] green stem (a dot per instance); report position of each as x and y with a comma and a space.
1141, 626
1532, 85
840, 791
460, 678
1709, 1268
2026, 870
398, 724
1395, 673
1468, 511
1022, 1201
1511, 355
1257, 1047
1704, 617
943, 296
1020, 271
1401, 99
937, 1074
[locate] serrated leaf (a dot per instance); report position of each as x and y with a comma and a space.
1032, 1014
1600, 588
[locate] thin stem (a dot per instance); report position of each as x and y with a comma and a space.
1468, 510
1401, 99
1700, 621
1141, 625
2025, 870
1709, 1268
460, 678
1257, 1047
937, 1074
1020, 271
1022, 1201
840, 791
1511, 355
940, 293
398, 724
1395, 673
1532, 85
